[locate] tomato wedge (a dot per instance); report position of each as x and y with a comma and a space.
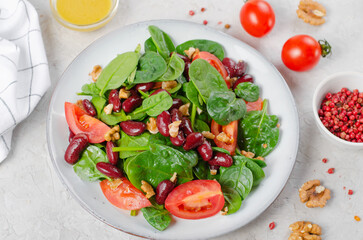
255, 106
122, 194
195, 199
216, 63
79, 122
231, 130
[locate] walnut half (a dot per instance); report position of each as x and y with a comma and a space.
313, 194
305, 231
311, 12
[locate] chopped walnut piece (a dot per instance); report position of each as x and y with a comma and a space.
96, 72
199, 111
311, 12
223, 137
115, 183
213, 172
151, 126
174, 177
208, 135
191, 52
124, 94
184, 109
313, 194
174, 128
264, 145
113, 134
147, 188
168, 85
260, 158
247, 154
224, 211
157, 85
278, 125
108, 109
305, 231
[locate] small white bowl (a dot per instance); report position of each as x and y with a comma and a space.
334, 83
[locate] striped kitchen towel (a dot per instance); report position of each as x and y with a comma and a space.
24, 74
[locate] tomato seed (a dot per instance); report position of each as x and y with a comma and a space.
272, 225
331, 170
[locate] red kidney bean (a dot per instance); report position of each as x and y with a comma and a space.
131, 103
111, 155
177, 103
205, 151
162, 122
178, 140
109, 170
114, 99
221, 159
244, 78
159, 91
193, 140
133, 128
71, 135
88, 106
186, 71
186, 126
176, 115
134, 92
75, 148
241, 68
162, 191
230, 66
145, 87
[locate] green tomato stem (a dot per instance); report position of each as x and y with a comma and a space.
130, 149
325, 48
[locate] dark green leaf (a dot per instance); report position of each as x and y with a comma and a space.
132, 141
206, 78
222, 150
138, 114
98, 102
260, 163
174, 70
200, 126
158, 218
257, 172
114, 118
151, 67
117, 71
203, 45
248, 91
156, 104
202, 171
149, 45
192, 93
89, 89
260, 132
233, 200
86, 169
224, 107
162, 41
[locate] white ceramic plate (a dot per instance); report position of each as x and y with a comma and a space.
280, 162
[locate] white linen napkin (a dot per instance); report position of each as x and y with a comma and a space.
24, 74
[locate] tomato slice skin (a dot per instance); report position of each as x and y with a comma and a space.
79, 122
196, 199
254, 106
216, 63
231, 130
122, 194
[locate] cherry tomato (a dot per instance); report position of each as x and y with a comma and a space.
216, 63
254, 106
79, 122
257, 17
301, 53
122, 194
195, 199
230, 130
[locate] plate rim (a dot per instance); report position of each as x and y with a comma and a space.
210, 29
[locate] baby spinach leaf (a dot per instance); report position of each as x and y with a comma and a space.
248, 91
132, 141
238, 177
222, 150
257, 172
98, 102
201, 171
224, 107
156, 104
89, 89
181, 79
200, 126
260, 132
117, 71
149, 45
192, 94
162, 41
114, 118
151, 67
86, 169
175, 89
158, 218
203, 45
233, 200
174, 70
206, 78
158, 164
137, 114
260, 163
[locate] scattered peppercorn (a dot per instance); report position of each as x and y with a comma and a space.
202, 9
191, 13
324, 160
205, 22
331, 170
227, 26
350, 192
272, 225
357, 218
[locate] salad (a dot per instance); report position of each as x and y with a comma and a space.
174, 131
